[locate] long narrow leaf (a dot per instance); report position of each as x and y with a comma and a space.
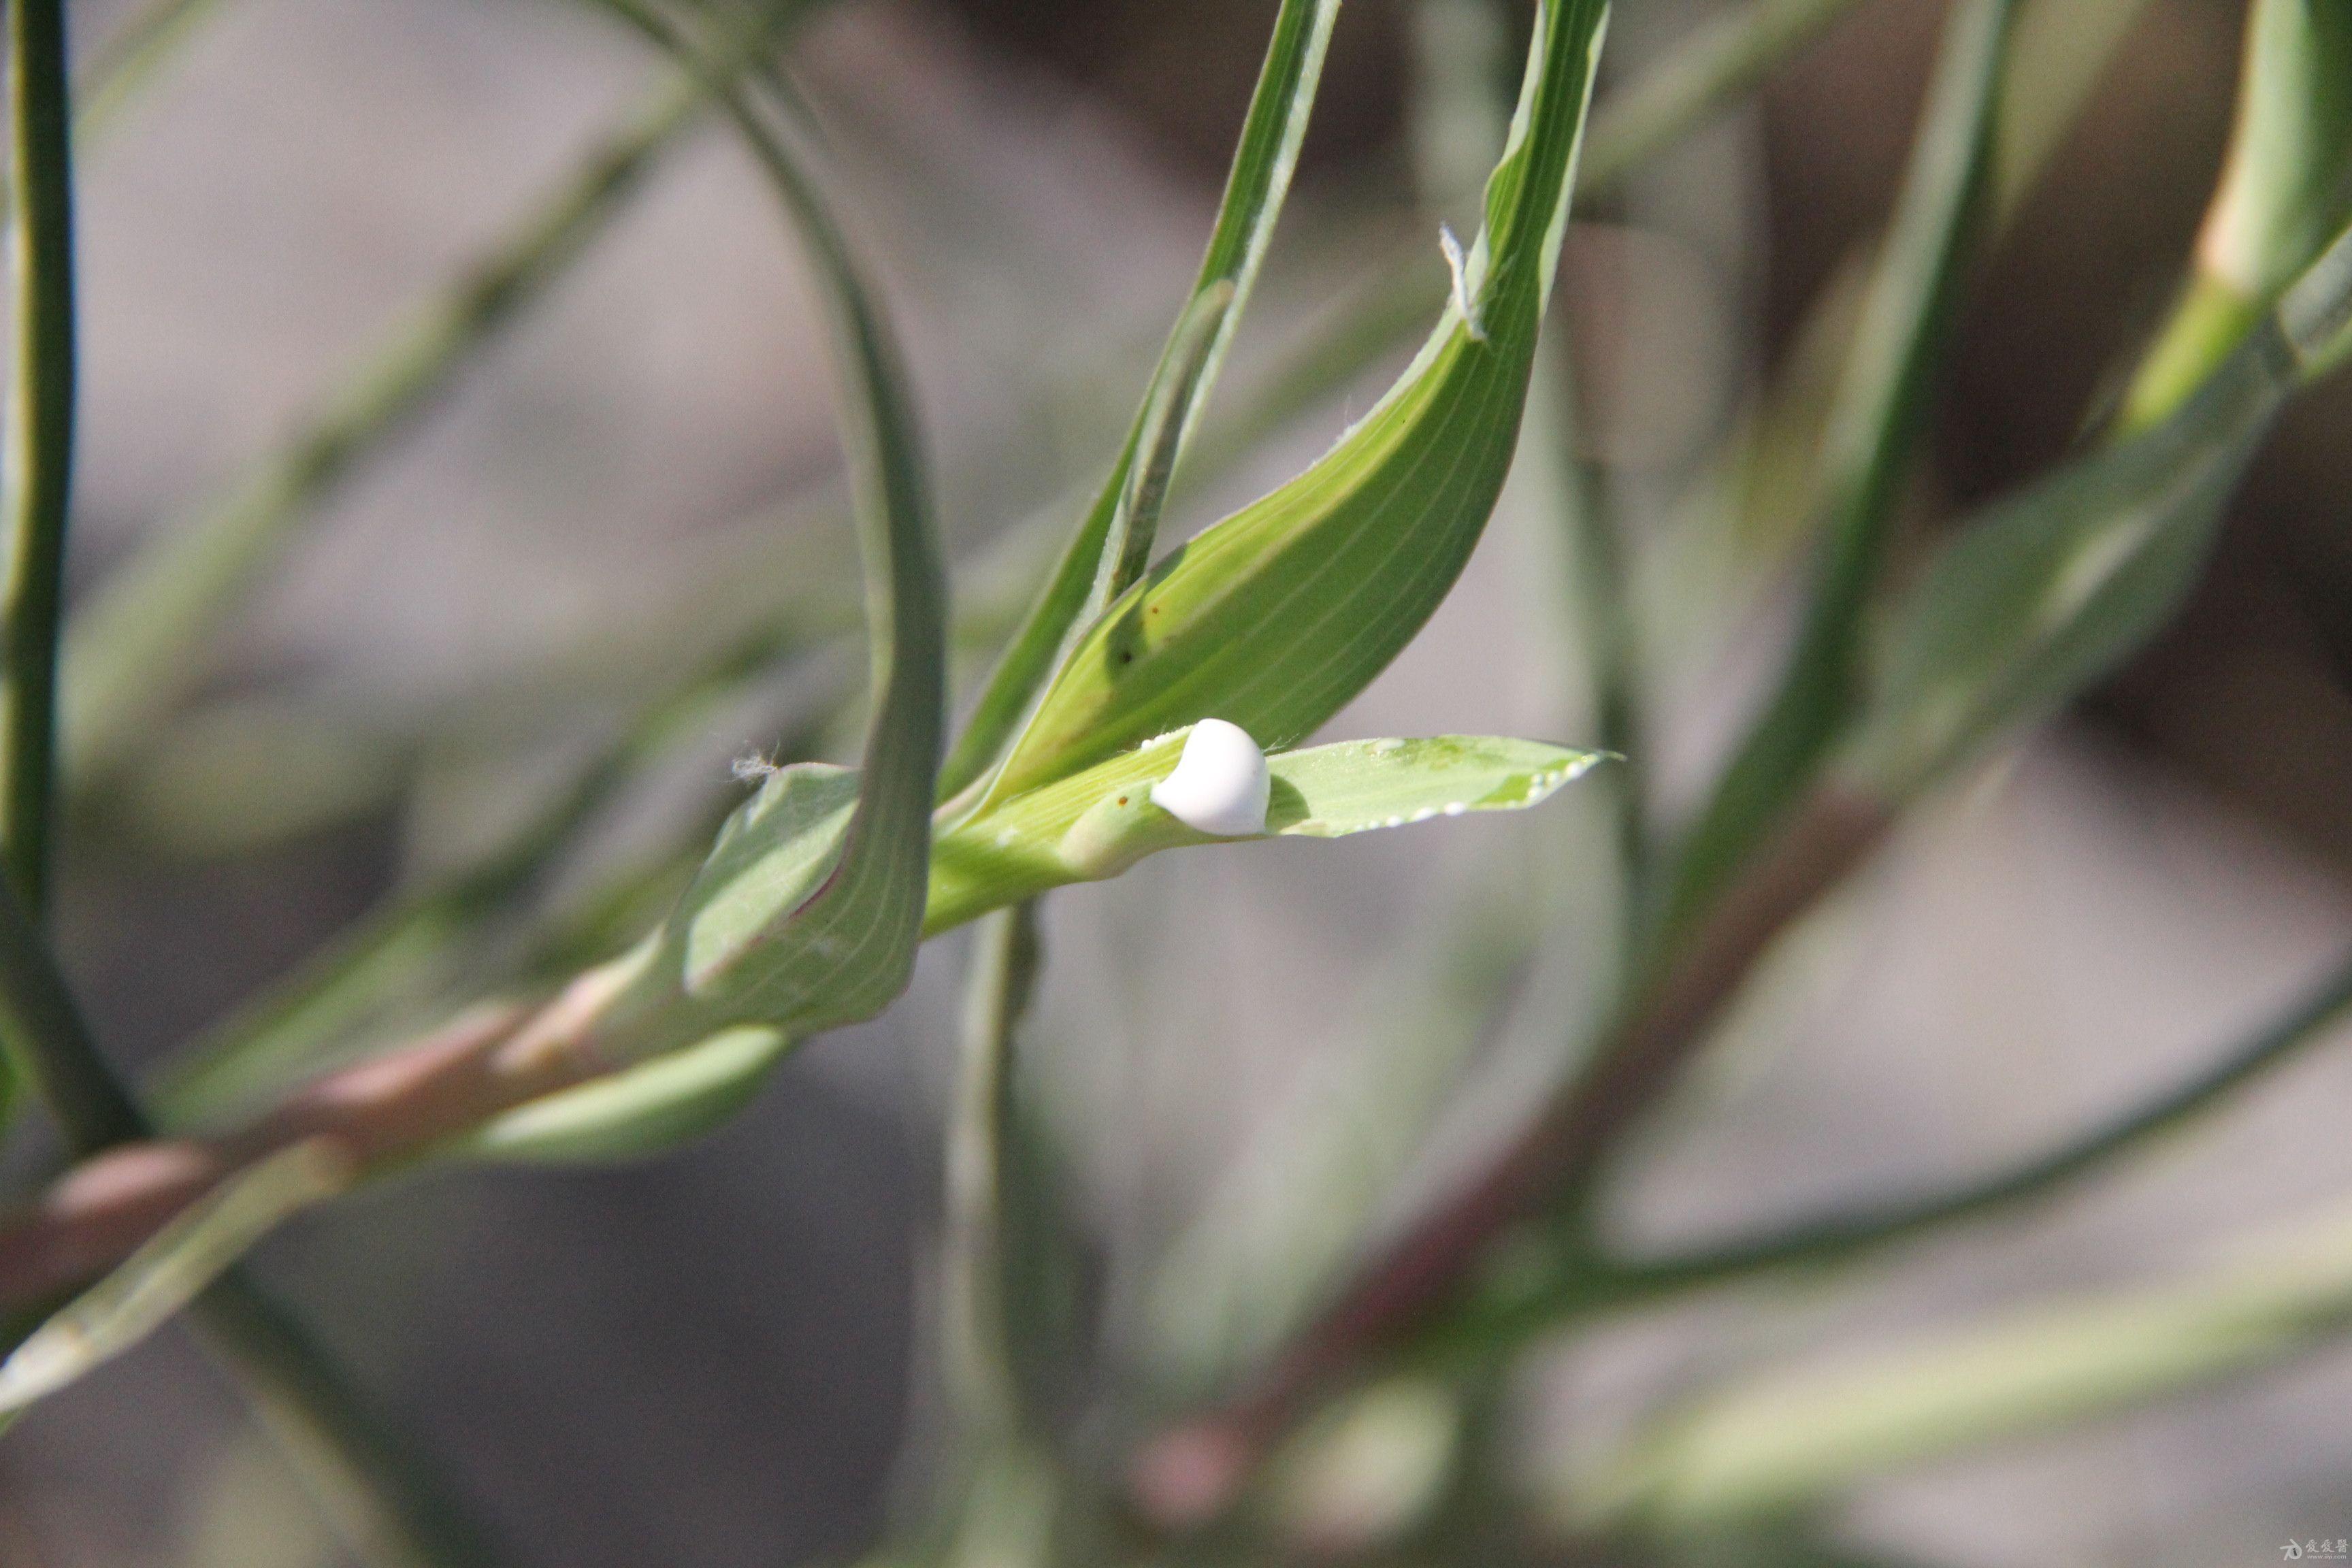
170, 1270
1187, 372
1103, 820
1274, 618
811, 954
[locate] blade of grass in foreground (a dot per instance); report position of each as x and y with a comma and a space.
168, 1271
1274, 618
1187, 372
754, 941
36, 464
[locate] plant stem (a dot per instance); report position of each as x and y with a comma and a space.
38, 444
2304, 1024
976, 1349
368, 1481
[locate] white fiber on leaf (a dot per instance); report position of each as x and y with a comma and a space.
1220, 786
1457, 265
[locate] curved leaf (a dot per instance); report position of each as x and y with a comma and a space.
821, 950
1276, 616
1179, 387
642, 1110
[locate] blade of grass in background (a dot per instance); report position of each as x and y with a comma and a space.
1255, 190
394, 1509
1721, 59
1786, 1441
1872, 431
1529, 1302
2024, 609
2051, 589
128, 59
2285, 191
2059, 51
138, 647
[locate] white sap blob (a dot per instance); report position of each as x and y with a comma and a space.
1220, 785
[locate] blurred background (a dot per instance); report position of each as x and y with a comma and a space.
1248, 1054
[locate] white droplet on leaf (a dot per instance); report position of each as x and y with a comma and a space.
1220, 786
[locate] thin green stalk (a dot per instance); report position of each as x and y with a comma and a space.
373, 1483
44, 1032
975, 1331
1598, 595
1506, 1319
2304, 1024
138, 647
38, 445
1178, 391
1873, 432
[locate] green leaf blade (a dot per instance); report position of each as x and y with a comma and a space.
641, 1111
1103, 820
847, 949
170, 1269
1274, 618
1180, 386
